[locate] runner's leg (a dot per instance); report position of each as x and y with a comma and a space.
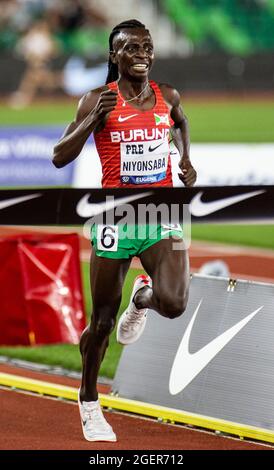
106, 279
169, 271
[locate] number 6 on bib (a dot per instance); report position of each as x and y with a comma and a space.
107, 237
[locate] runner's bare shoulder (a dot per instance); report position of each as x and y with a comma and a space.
170, 94
88, 102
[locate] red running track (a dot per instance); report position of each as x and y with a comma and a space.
39, 423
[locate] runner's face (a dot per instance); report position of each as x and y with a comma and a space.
134, 53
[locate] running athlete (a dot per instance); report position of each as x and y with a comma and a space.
131, 118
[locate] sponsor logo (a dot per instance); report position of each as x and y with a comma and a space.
125, 118
161, 119
17, 200
187, 366
151, 149
147, 179
165, 228
200, 208
87, 209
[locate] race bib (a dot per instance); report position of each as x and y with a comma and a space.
107, 237
144, 162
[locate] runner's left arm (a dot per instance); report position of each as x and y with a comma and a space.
180, 134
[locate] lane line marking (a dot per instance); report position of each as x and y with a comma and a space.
139, 408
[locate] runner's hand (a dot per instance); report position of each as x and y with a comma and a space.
188, 175
105, 104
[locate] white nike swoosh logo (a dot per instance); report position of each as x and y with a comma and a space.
199, 208
187, 366
17, 200
125, 118
86, 209
165, 228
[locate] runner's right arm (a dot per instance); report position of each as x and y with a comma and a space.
91, 114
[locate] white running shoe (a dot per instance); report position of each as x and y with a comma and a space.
132, 322
94, 425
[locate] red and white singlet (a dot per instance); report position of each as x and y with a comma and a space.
134, 145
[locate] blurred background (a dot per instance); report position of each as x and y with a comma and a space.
218, 54
224, 45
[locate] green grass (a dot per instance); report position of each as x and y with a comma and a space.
67, 355
247, 235
231, 121
38, 114
210, 121
64, 355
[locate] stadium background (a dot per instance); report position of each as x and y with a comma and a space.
219, 56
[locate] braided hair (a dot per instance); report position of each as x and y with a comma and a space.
113, 68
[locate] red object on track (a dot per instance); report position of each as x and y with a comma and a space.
40, 289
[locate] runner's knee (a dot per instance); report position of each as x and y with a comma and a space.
103, 327
173, 306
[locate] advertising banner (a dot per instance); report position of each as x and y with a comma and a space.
26, 160
219, 164
77, 206
25, 157
215, 360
